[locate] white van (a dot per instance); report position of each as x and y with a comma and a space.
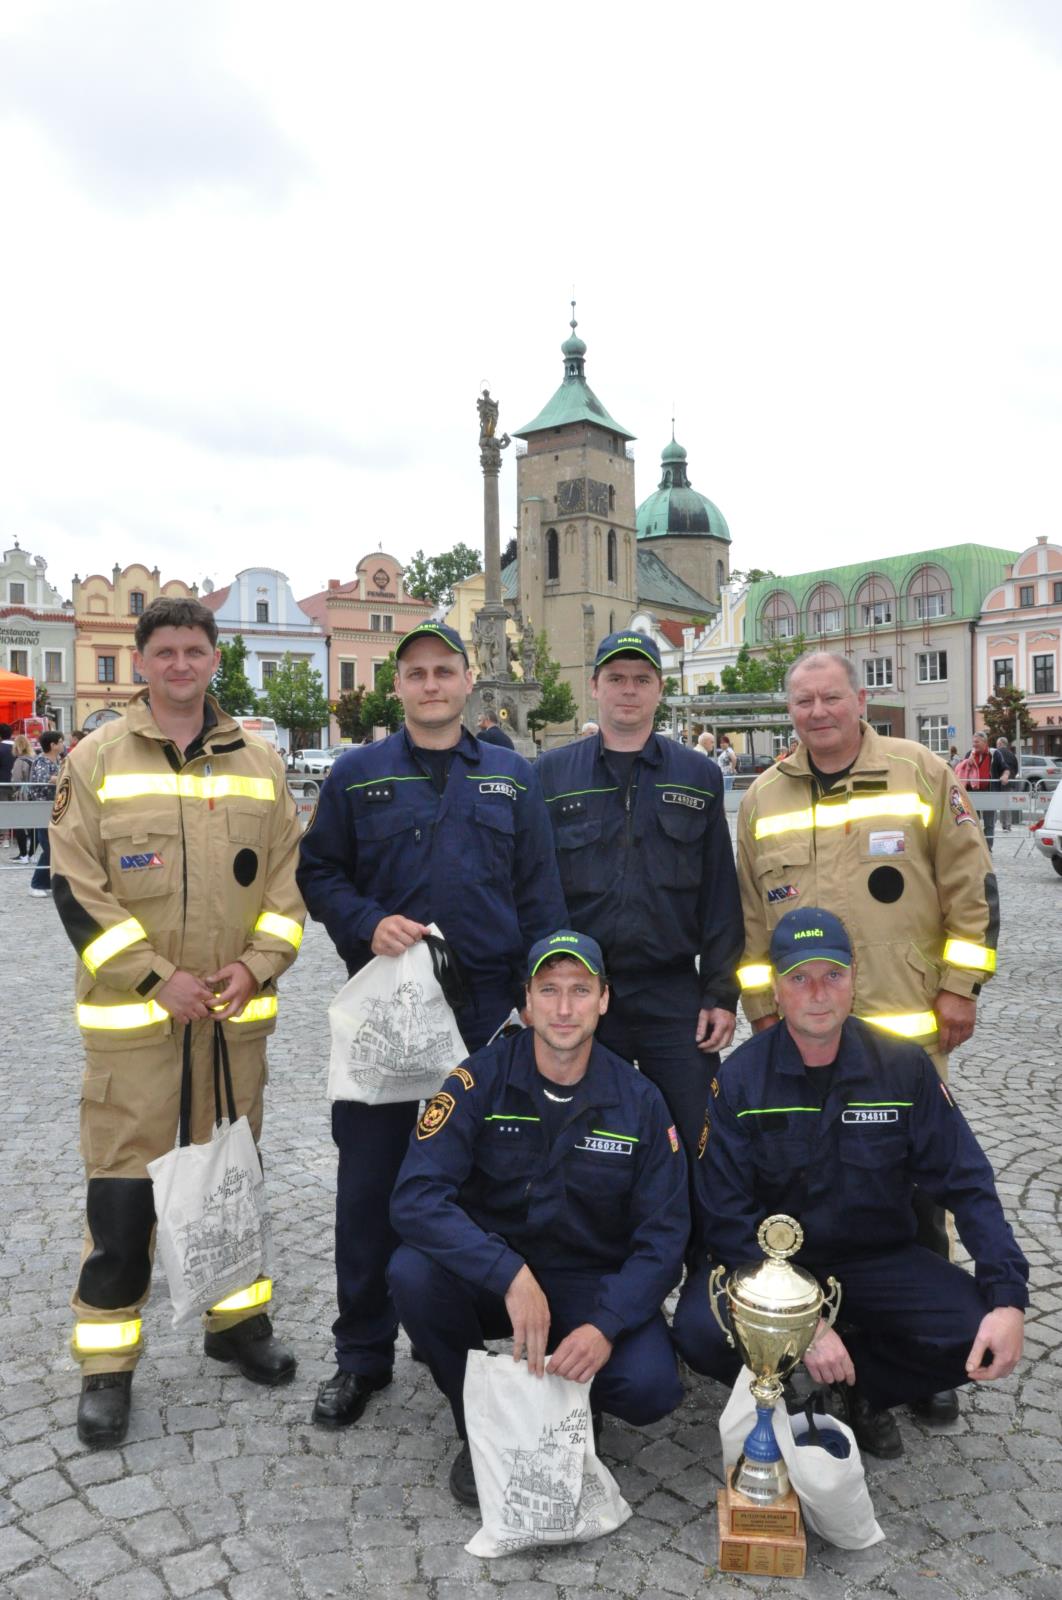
1048, 833
264, 727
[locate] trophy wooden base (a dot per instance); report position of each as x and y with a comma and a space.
766, 1540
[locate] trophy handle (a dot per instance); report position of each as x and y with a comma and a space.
831, 1301
715, 1288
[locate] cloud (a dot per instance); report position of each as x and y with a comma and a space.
139, 102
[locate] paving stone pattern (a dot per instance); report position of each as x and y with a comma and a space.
226, 1492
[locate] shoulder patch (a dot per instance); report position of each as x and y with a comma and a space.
436, 1114
715, 1088
464, 1076
960, 806
702, 1142
62, 798
673, 1138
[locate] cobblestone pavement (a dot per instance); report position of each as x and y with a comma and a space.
225, 1490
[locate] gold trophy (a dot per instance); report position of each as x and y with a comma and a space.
774, 1310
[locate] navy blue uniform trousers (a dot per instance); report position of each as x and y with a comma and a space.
372, 1141
446, 1317
909, 1319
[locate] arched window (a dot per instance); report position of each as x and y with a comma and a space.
552, 555
611, 498
720, 577
611, 554
928, 594
875, 603
778, 617
825, 609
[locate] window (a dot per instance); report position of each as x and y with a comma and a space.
138, 677
611, 498
20, 662
347, 673
877, 672
825, 621
611, 554
876, 612
269, 671
1058, 594
136, 602
1027, 594
552, 556
883, 728
928, 605
1043, 674
720, 576
780, 627
932, 666
261, 611
1003, 672
16, 593
53, 666
105, 669
933, 733
381, 622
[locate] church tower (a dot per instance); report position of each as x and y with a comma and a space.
686, 529
576, 532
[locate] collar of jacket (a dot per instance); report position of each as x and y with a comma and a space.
871, 757
466, 747
853, 1061
216, 723
597, 1086
650, 753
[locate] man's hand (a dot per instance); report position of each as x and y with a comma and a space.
826, 1358
956, 1015
528, 1311
764, 1022
581, 1355
237, 987
715, 1029
1002, 1333
395, 934
186, 997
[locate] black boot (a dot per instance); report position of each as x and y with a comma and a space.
463, 1479
103, 1409
342, 1398
875, 1431
256, 1352
937, 1408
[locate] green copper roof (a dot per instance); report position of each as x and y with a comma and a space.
971, 570
574, 401
659, 586
676, 508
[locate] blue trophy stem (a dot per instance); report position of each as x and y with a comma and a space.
761, 1444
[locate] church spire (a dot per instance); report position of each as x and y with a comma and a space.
574, 350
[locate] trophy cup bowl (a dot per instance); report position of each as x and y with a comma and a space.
774, 1310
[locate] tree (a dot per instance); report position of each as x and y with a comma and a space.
748, 675
349, 712
509, 553
294, 697
663, 711
753, 575
780, 657
557, 703
381, 707
1007, 716
230, 684
433, 577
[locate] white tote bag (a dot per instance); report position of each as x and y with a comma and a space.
833, 1493
213, 1232
394, 1034
538, 1477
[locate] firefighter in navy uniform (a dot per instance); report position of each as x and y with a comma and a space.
426, 826
174, 843
833, 1121
647, 869
545, 1196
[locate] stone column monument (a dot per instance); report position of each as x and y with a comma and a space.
496, 688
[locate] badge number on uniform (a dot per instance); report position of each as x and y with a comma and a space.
598, 1145
672, 797
888, 1115
492, 786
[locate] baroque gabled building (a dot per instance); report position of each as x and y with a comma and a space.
37, 632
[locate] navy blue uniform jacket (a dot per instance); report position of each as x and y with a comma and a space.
846, 1171
649, 872
476, 859
484, 1194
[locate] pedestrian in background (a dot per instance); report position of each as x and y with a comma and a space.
489, 731
727, 762
43, 772
977, 771
1005, 770
25, 838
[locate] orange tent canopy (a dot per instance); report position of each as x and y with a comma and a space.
18, 696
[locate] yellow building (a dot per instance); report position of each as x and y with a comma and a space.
105, 617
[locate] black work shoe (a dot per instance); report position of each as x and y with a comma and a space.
875, 1431
463, 1479
256, 1352
342, 1398
942, 1407
103, 1409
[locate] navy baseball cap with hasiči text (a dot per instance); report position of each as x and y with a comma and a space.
433, 630
809, 934
565, 942
627, 644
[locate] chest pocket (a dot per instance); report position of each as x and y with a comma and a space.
143, 853
681, 839
785, 864
873, 1168
496, 833
245, 825
385, 835
580, 860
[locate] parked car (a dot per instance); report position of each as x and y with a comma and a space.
1037, 767
753, 764
318, 763
1048, 833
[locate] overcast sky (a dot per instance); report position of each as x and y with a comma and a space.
259, 259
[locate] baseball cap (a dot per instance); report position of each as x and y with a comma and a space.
627, 644
433, 630
810, 934
579, 946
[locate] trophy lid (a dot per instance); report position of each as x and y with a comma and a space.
774, 1285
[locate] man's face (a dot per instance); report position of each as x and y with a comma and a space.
815, 998
178, 664
432, 683
826, 710
627, 690
564, 1002
980, 744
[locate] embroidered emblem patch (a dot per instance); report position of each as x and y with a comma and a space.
887, 1114
960, 806
785, 891
435, 1115
889, 842
674, 1138
493, 786
62, 799
464, 1076
715, 1088
702, 1142
673, 797
604, 1147
139, 863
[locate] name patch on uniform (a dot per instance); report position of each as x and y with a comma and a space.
463, 1076
138, 863
785, 891
605, 1147
495, 787
889, 842
673, 797
376, 792
888, 1114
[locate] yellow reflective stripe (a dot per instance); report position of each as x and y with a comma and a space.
285, 928
256, 1294
857, 808
111, 943
961, 953
259, 1009
184, 786
757, 975
133, 1016
98, 1338
912, 1025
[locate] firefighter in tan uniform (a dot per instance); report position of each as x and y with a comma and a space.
880, 832
174, 843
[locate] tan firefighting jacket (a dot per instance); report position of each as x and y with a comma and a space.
164, 860
897, 854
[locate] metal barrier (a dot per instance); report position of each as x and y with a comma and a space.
304, 792
18, 813
1027, 799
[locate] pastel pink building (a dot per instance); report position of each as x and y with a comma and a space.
1018, 640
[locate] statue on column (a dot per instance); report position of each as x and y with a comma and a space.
485, 640
527, 652
490, 447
